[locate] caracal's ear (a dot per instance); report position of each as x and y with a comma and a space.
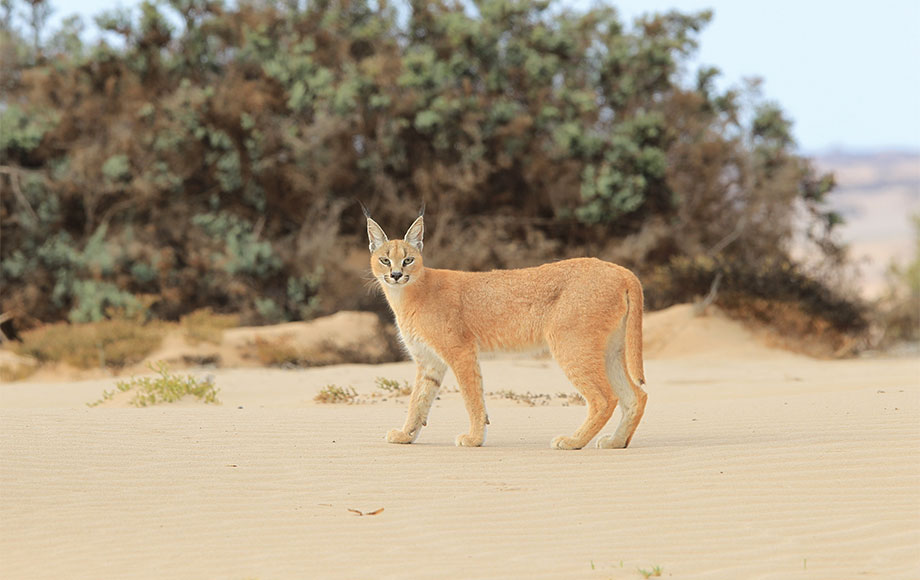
375, 233
417, 231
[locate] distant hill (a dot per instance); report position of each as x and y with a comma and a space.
876, 192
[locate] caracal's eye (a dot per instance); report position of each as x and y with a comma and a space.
408, 261
385, 261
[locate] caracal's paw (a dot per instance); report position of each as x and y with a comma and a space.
467, 440
399, 436
611, 442
563, 442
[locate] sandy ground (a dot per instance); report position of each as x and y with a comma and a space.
750, 463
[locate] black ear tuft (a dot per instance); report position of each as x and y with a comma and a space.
367, 214
421, 211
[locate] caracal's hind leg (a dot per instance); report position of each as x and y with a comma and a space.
584, 365
428, 377
631, 395
465, 364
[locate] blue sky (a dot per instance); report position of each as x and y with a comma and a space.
846, 72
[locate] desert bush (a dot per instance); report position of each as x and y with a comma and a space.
783, 281
106, 344
215, 164
23, 131
898, 309
811, 316
279, 352
204, 325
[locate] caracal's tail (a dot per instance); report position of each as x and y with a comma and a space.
633, 339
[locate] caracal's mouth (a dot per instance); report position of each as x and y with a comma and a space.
401, 281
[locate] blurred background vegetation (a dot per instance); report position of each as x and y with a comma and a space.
208, 154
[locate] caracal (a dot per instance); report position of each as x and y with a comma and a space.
586, 311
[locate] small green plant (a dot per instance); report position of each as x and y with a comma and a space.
163, 388
393, 387
654, 572
332, 394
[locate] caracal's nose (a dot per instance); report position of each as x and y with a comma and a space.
396, 276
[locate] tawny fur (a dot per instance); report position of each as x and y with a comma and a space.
586, 311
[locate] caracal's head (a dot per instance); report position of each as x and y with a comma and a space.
399, 262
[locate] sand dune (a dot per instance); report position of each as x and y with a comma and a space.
750, 463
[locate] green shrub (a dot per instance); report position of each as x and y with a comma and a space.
93, 300
117, 168
22, 131
243, 252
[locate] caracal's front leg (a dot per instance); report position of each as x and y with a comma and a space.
466, 368
428, 377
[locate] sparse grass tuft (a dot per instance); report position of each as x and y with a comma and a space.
164, 388
654, 572
528, 398
534, 399
393, 387
572, 399
203, 325
334, 394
